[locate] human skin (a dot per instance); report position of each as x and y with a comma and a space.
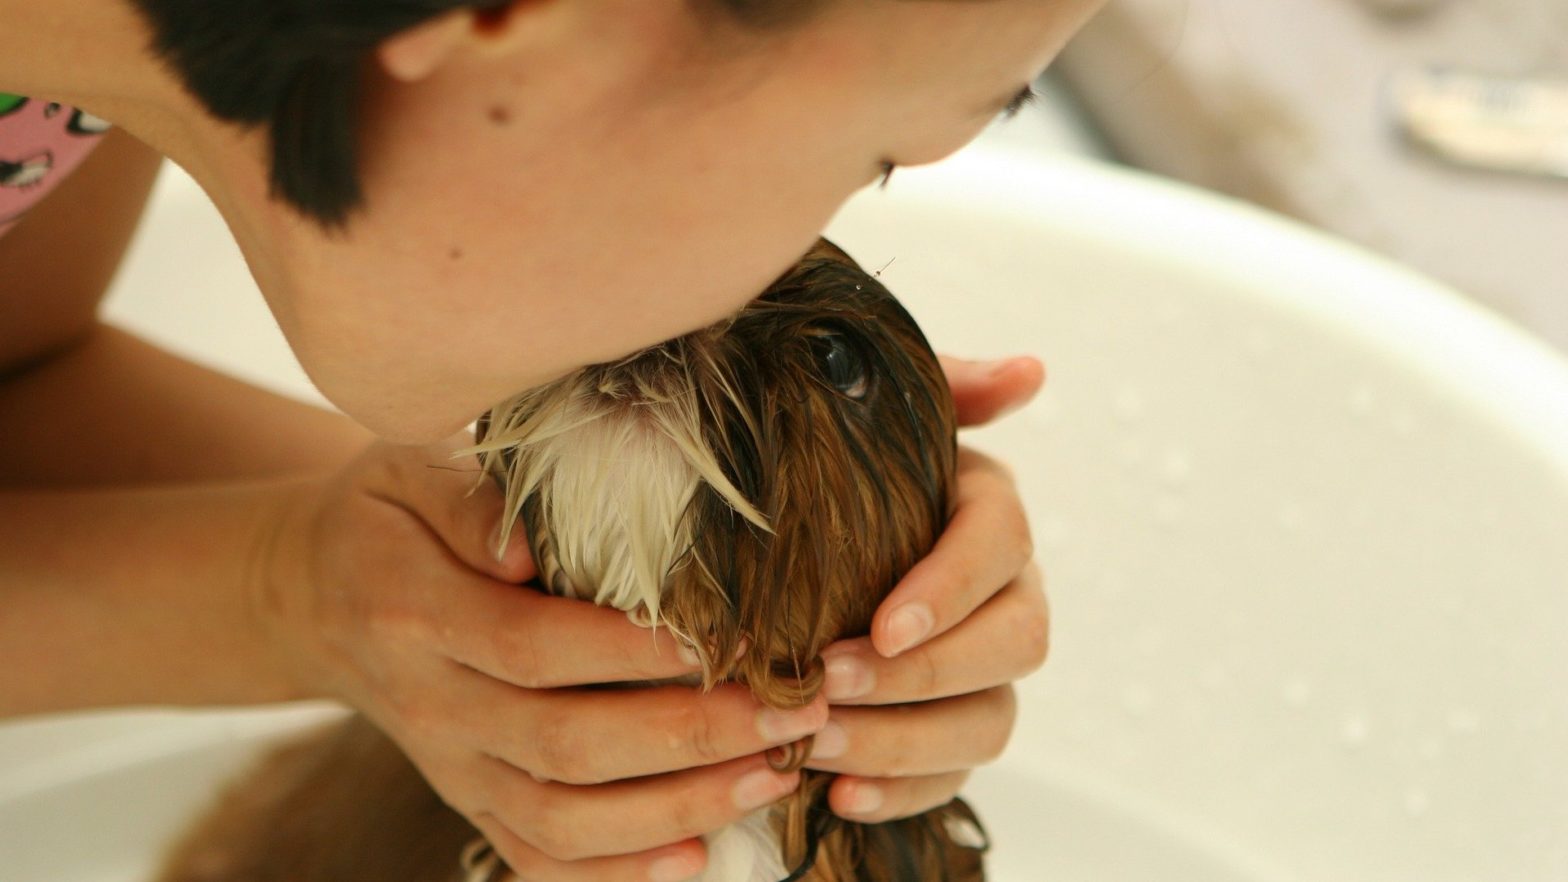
662, 188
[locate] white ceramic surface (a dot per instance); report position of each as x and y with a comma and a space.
1301, 514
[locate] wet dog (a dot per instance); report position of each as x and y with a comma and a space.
756, 487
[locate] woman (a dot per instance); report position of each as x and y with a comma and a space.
445, 202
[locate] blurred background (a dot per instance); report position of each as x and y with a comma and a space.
1434, 132
1300, 511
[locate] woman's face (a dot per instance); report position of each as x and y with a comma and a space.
590, 177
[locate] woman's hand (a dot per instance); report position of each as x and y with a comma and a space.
379, 589
928, 696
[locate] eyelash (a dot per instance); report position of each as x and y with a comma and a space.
1023, 99
888, 167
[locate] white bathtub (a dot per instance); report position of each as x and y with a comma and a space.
1303, 517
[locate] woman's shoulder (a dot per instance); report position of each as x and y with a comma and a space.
41, 142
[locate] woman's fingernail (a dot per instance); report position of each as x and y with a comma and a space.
780, 726
863, 799
847, 677
994, 369
908, 626
675, 868
831, 743
762, 787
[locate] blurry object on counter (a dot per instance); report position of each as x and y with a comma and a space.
1517, 125
1432, 131
1402, 9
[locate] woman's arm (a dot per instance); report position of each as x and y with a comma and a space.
135, 566
116, 597
120, 576
56, 264
109, 409
176, 594
81, 403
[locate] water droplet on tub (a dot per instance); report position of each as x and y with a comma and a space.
1176, 466
1417, 802
1258, 343
1128, 405
1151, 640
1362, 399
1297, 692
1130, 453
1052, 531
1215, 677
1353, 730
1168, 510
1429, 749
1136, 700
1291, 517
1169, 312
1463, 720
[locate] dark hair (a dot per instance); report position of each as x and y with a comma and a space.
296, 66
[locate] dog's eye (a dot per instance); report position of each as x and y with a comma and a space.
842, 366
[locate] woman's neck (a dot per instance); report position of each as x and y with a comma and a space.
79, 52
97, 55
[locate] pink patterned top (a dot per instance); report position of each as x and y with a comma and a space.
40, 143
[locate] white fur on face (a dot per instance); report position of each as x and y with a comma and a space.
746, 851
613, 458
613, 496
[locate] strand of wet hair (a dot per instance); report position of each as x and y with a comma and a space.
823, 824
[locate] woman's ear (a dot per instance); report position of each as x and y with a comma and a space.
418, 52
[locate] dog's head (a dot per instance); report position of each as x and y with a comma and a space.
757, 486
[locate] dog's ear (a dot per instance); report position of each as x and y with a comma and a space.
945, 844
781, 595
758, 605
702, 603
850, 491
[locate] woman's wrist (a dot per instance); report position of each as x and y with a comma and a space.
139, 596
276, 584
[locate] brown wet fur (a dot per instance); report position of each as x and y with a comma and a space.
855, 493
338, 805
